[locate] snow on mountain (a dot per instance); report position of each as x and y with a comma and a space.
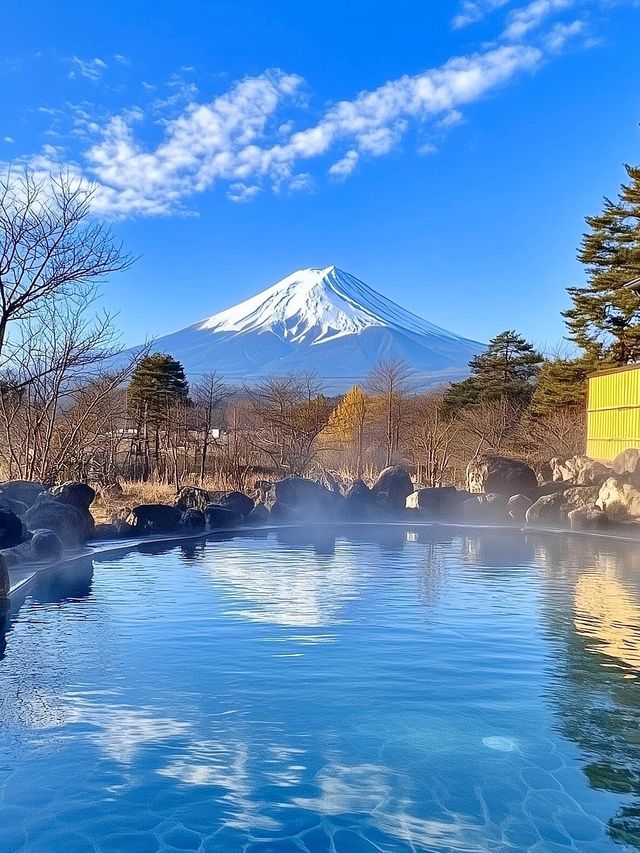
324, 321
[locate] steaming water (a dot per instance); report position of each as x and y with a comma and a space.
367, 690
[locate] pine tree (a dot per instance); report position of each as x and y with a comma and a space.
157, 384
506, 370
562, 384
605, 318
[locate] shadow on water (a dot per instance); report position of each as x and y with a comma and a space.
594, 624
71, 582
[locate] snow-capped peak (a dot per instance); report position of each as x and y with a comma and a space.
315, 306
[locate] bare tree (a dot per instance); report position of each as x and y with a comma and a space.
287, 414
208, 393
432, 439
389, 381
51, 248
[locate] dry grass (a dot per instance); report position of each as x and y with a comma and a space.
133, 494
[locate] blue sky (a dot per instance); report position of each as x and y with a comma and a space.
445, 153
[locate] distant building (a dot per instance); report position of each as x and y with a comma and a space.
613, 412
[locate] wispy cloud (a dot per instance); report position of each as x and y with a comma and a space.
258, 134
91, 69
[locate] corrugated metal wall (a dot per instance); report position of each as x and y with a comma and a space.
613, 418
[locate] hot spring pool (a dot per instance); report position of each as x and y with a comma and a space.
377, 689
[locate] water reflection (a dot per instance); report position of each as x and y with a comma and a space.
592, 610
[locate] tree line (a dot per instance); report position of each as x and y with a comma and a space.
71, 408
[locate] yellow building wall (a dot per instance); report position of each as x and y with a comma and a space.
613, 413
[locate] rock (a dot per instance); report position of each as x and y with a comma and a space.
193, 519
627, 462
121, 514
548, 510
392, 488
5, 583
221, 517
258, 515
80, 495
485, 509
45, 546
238, 502
304, 500
67, 521
499, 475
191, 497
619, 499
517, 507
442, 502
359, 502
25, 491
581, 497
10, 529
581, 470
104, 531
154, 518
14, 506
587, 518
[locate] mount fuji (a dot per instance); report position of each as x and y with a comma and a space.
323, 321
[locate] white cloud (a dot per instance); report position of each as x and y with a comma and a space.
560, 34
521, 21
8, 139
91, 69
473, 11
345, 166
229, 138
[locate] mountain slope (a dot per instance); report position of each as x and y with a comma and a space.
320, 320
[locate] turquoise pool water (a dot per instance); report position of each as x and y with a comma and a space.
380, 689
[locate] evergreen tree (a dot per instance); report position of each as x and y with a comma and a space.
605, 317
506, 370
562, 384
157, 383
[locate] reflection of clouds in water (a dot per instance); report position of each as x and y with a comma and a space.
607, 612
295, 589
372, 790
226, 765
121, 732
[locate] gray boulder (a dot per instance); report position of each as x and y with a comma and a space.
80, 495
581, 497
258, 515
359, 502
17, 507
11, 532
587, 518
300, 499
619, 499
5, 582
193, 519
581, 470
24, 491
114, 530
218, 517
485, 509
191, 497
392, 488
45, 546
154, 518
442, 502
499, 475
627, 462
548, 510
69, 523
517, 507
238, 502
